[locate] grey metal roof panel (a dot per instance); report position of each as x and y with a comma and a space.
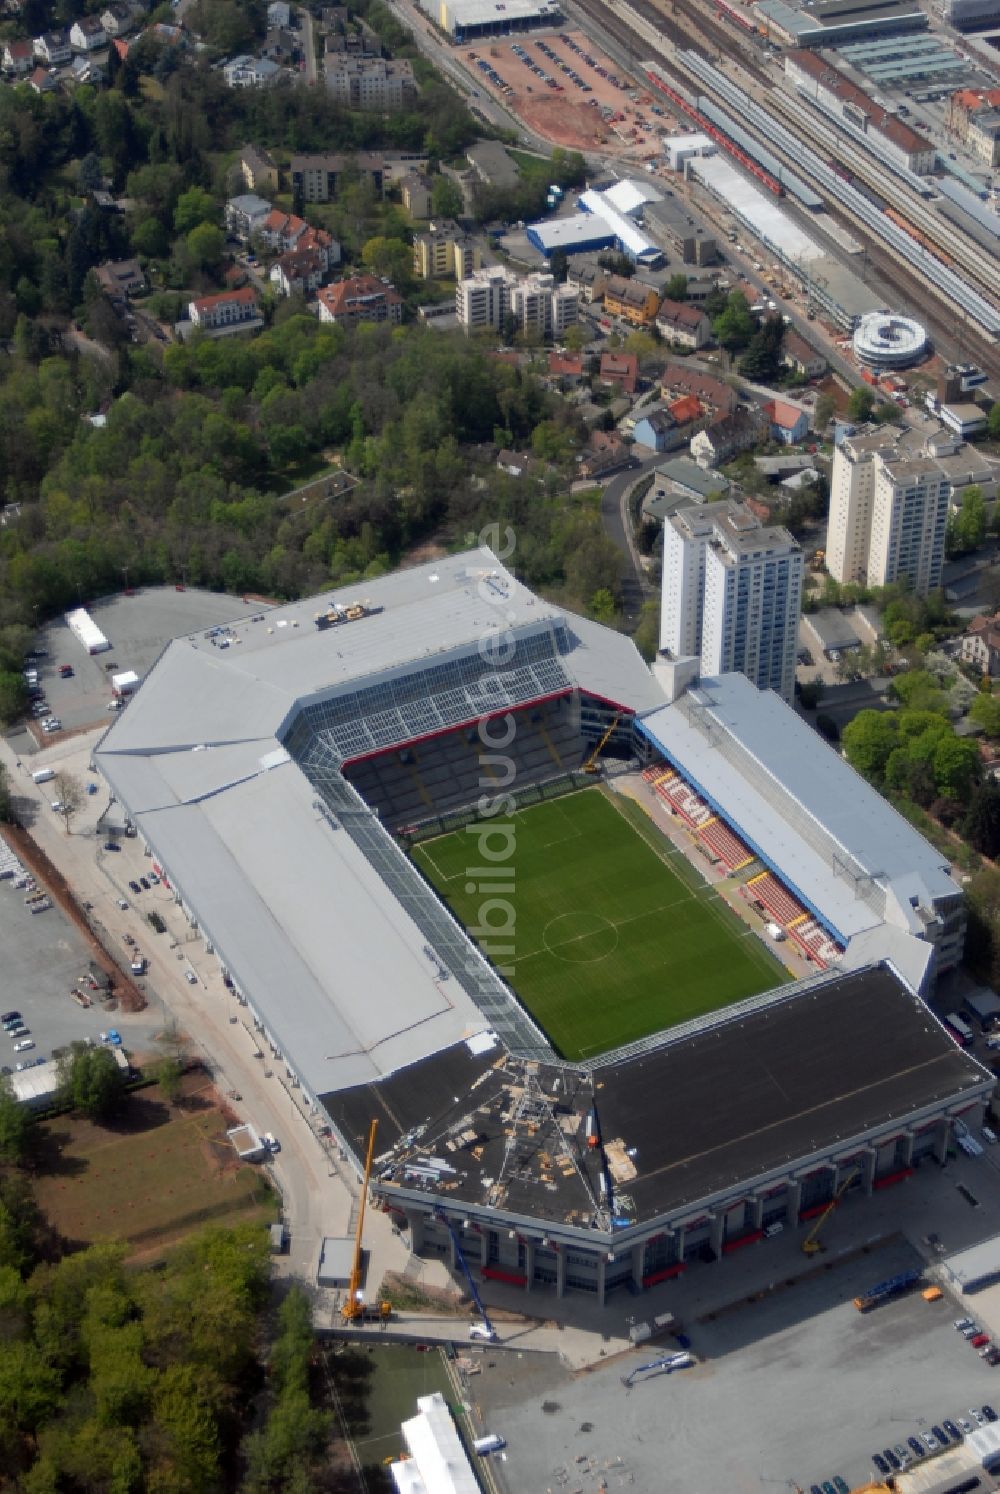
190, 699
836, 798
609, 665
308, 931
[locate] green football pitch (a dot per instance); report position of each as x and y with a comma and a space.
615, 936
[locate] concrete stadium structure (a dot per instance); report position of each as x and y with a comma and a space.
266, 766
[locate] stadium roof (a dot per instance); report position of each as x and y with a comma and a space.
756, 1092
839, 845
228, 757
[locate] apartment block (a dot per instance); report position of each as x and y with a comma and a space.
370, 82
485, 298
889, 495
445, 250
731, 594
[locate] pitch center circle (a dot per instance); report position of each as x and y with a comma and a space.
580, 938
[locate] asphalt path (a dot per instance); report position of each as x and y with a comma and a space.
634, 589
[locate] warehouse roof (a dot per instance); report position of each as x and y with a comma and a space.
753, 1094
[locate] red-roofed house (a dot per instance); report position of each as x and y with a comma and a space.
281, 231
41, 81
621, 369
681, 323
565, 365
18, 57
303, 270
685, 409
227, 309
788, 422
360, 298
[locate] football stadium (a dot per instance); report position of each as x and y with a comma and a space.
472, 869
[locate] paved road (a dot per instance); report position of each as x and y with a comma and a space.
634, 588
308, 44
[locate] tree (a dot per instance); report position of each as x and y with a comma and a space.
88, 173
981, 826
861, 404
194, 207
762, 359
735, 327
205, 245
13, 696
993, 423
811, 693
387, 257
825, 410
91, 1081
14, 1124
602, 605
69, 795
676, 288
967, 528
446, 198
957, 767
168, 1073
985, 711
868, 742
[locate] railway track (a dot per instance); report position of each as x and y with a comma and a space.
954, 244
664, 31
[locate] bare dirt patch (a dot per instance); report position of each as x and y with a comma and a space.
151, 1176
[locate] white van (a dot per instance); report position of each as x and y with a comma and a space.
44, 775
490, 1443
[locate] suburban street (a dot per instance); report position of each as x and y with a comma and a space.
634, 588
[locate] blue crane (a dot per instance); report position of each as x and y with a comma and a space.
665, 1365
485, 1328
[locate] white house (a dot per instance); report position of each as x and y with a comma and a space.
251, 72
87, 34
227, 309
52, 48
18, 57
279, 15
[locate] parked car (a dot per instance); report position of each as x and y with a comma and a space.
135, 888
918, 1451
190, 977
989, 1413
979, 1340
144, 884
23, 1045
154, 879
111, 845
11, 1016
890, 1458
952, 1430
940, 1435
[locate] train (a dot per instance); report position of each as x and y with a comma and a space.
917, 234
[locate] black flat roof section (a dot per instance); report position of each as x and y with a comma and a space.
699, 1117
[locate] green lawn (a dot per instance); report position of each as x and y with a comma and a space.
614, 937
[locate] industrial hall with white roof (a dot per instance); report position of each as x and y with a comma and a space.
268, 767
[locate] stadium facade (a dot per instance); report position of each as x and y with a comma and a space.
267, 767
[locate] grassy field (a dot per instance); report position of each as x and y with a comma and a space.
379, 1385
615, 936
150, 1177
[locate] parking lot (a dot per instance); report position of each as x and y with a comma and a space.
138, 628
569, 91
44, 954
751, 1412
